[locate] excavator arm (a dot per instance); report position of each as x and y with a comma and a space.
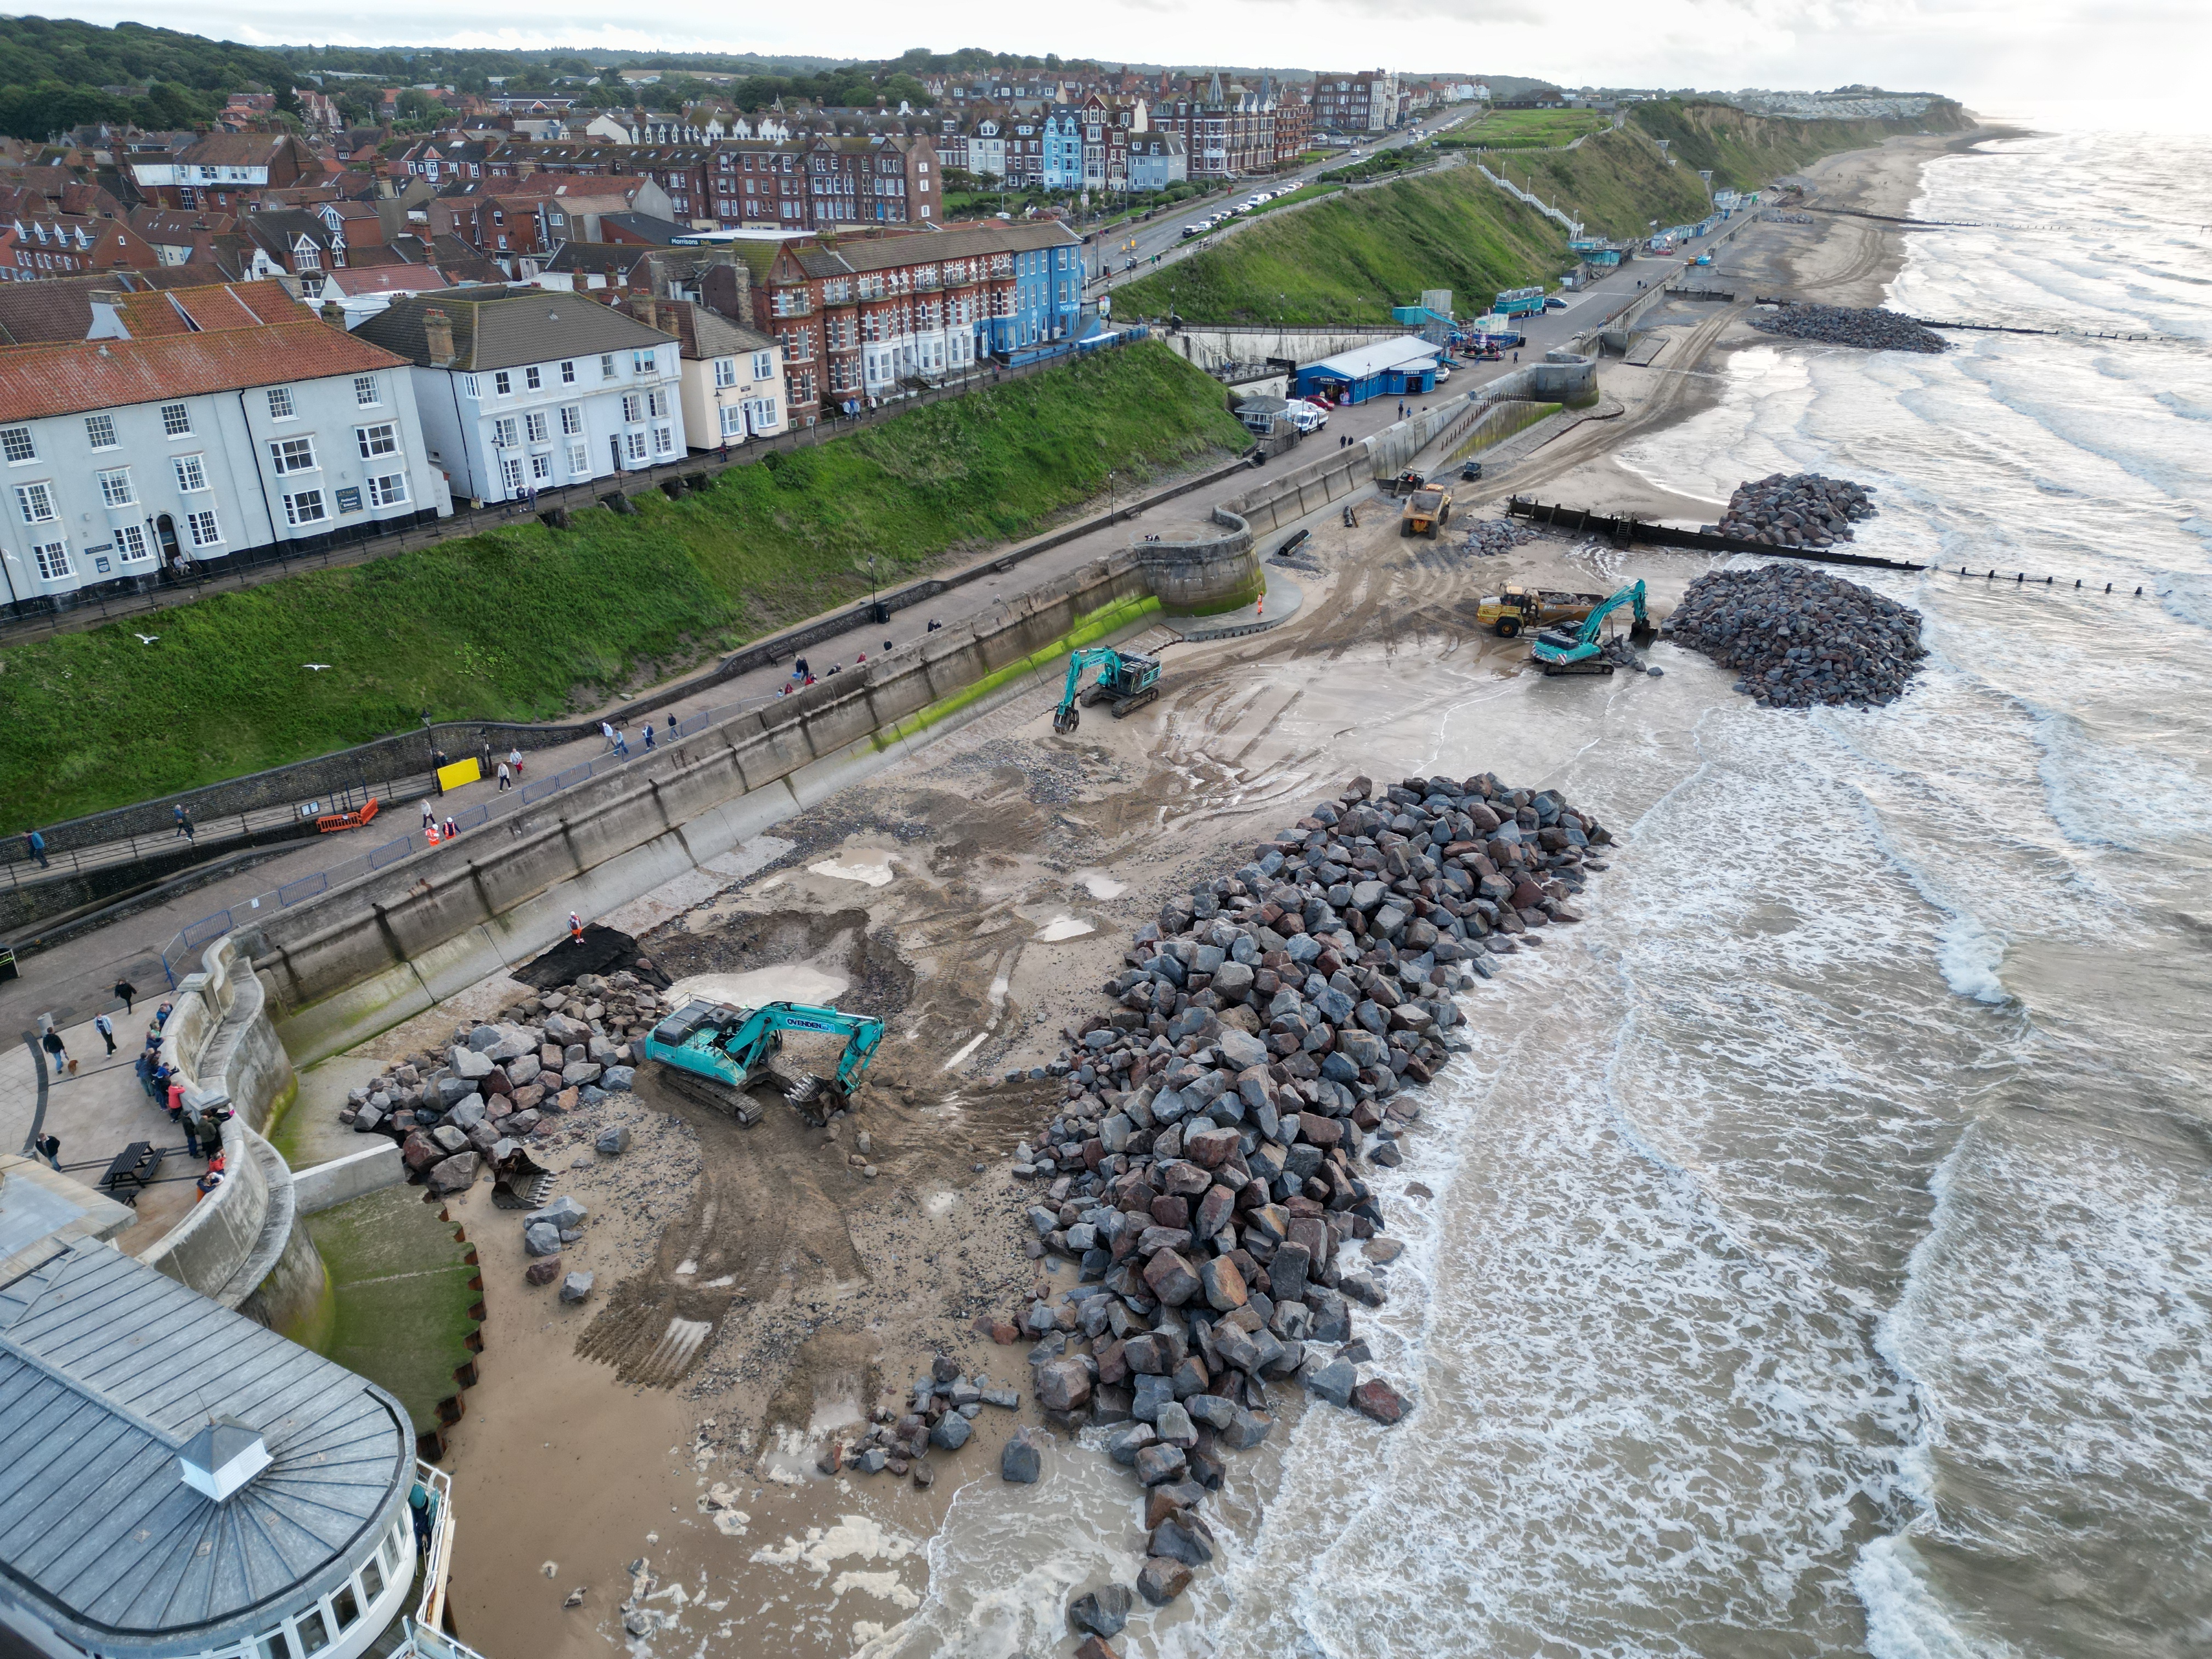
1129, 680
718, 1052
1560, 652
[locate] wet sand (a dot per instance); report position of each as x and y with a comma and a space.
758, 1289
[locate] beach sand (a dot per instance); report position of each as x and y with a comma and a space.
758, 1290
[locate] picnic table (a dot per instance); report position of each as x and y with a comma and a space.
132, 1172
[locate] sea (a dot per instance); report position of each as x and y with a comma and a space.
1814, 1255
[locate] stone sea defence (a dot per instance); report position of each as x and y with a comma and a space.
1208, 1169
1795, 509
1798, 636
1876, 329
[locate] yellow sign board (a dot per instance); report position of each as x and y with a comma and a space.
460, 772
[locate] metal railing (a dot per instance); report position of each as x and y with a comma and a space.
438, 1562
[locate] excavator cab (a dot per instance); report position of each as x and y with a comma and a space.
1127, 680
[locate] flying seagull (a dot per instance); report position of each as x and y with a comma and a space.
317, 667
145, 639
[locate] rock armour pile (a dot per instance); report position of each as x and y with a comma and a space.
1799, 636
1795, 510
1874, 330
1208, 1171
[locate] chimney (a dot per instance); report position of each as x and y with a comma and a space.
438, 336
647, 310
222, 1457
334, 314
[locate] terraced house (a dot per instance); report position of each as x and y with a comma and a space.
525, 388
199, 424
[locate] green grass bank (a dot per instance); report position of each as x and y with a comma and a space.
527, 623
1350, 260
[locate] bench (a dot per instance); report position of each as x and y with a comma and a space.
132, 1172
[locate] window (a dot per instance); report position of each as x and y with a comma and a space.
364, 392
292, 455
176, 421
634, 443
35, 502
15, 443
643, 362
280, 403
100, 430
206, 532
733, 423
53, 561
304, 507
579, 461
656, 404
536, 425
510, 473
376, 440
726, 370
762, 412
470, 388
764, 365
192, 472
389, 490
372, 1581
531, 379
130, 541
270, 1644
541, 469
501, 382
115, 486
389, 1552
314, 1632
633, 407
347, 1605
663, 440
568, 373
572, 421
503, 433
607, 366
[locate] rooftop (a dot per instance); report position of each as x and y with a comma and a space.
506, 327
1361, 361
109, 1370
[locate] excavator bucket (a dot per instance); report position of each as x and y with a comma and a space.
520, 1182
1066, 718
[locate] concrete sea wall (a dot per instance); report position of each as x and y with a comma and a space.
379, 949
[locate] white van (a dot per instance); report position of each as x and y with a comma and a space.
1307, 417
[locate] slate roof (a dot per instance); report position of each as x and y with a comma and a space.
505, 328
66, 379
703, 333
108, 1369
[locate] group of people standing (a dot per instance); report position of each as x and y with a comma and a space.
202, 1125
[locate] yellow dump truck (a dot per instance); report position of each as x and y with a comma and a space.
1508, 613
1424, 510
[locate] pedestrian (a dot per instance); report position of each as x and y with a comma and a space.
437, 767
161, 1015
483, 764
799, 670
622, 743
184, 821
1516, 356
648, 734
38, 845
126, 990
514, 759
671, 728
52, 1042
857, 660
195, 1127
453, 830
607, 730
429, 814
50, 1148
933, 625
105, 1027
575, 928
207, 1183
174, 1104
506, 778
887, 645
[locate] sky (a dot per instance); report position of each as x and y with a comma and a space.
2145, 61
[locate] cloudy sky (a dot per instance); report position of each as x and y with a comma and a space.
2148, 59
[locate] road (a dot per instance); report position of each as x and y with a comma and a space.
1162, 235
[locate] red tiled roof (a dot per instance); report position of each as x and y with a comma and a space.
215, 308
65, 380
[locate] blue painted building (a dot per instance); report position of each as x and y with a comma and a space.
1048, 292
1403, 367
1063, 149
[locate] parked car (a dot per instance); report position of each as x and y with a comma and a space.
1553, 302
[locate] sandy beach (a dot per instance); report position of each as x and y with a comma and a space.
757, 1290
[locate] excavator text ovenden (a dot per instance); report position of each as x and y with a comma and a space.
715, 1053
1127, 680
1557, 651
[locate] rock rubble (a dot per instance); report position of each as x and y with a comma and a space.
1494, 536
1208, 1170
513, 1085
1876, 329
941, 1416
1795, 509
1800, 636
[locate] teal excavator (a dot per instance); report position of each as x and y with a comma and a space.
1127, 680
716, 1053
1580, 650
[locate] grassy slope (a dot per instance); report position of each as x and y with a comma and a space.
1351, 261
523, 622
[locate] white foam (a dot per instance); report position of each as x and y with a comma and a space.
850, 1537
1064, 927
868, 865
